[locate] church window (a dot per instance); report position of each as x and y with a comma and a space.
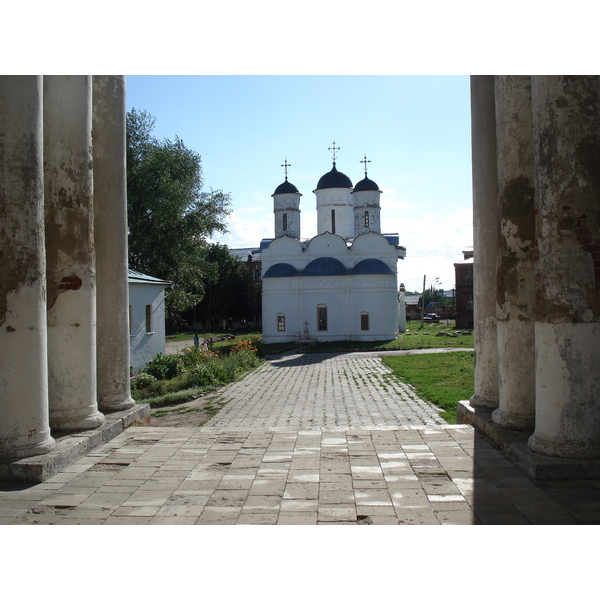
257, 273
149, 318
366, 218
280, 322
322, 318
333, 220
284, 222
364, 321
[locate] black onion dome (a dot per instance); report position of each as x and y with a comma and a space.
334, 179
366, 185
286, 188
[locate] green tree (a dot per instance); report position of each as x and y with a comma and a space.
226, 286
169, 215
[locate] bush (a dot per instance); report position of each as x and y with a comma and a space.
165, 367
244, 347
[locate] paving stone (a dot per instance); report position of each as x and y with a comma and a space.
297, 518
282, 451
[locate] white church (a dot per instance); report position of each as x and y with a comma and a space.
343, 283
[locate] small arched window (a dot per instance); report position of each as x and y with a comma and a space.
364, 321
321, 317
280, 322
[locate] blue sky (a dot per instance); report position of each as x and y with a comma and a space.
415, 130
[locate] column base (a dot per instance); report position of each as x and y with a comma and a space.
42, 447
506, 420
66, 423
564, 449
115, 404
483, 402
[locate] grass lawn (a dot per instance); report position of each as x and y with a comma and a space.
431, 335
443, 379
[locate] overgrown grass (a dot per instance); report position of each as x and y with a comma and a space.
443, 379
178, 378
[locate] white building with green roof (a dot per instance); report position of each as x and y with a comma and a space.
146, 318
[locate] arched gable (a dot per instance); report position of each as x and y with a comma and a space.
372, 243
328, 244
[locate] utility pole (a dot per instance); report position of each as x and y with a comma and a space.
423, 302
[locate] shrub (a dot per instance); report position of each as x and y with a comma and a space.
244, 347
192, 357
142, 381
165, 367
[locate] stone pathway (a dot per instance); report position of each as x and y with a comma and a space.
315, 439
323, 391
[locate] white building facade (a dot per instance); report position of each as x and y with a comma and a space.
340, 285
146, 318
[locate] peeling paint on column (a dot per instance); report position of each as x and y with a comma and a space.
70, 253
568, 178
24, 429
566, 130
515, 284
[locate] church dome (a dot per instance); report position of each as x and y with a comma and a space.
366, 185
286, 188
334, 179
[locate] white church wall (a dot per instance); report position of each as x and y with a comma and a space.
339, 200
280, 298
376, 296
332, 293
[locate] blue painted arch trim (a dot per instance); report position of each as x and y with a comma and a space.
324, 266
371, 266
281, 270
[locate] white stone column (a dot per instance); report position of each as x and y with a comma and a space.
110, 225
24, 425
566, 129
515, 290
486, 231
70, 264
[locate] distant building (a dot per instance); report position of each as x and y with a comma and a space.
146, 318
464, 290
251, 300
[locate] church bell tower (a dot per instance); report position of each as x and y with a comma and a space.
286, 208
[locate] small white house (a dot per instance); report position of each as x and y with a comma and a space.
146, 318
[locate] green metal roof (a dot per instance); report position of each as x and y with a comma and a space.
136, 277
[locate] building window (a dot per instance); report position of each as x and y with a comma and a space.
149, 318
280, 322
333, 220
284, 222
130, 320
366, 218
256, 273
322, 318
364, 321
470, 303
